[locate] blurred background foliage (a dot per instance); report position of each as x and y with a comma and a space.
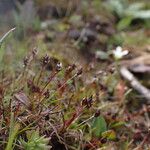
106, 23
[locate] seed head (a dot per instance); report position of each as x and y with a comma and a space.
45, 60
59, 66
87, 102
47, 94
26, 61
79, 72
70, 68
97, 114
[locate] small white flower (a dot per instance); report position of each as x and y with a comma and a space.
119, 52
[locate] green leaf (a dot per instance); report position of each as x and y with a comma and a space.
141, 14
13, 131
136, 6
117, 124
110, 135
116, 6
99, 126
35, 142
124, 23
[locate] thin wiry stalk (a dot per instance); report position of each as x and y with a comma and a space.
5, 36
50, 79
40, 75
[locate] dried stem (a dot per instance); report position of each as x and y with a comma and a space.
135, 83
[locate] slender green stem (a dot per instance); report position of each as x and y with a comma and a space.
14, 128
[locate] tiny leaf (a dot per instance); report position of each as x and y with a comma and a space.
110, 134
124, 23
117, 124
99, 126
